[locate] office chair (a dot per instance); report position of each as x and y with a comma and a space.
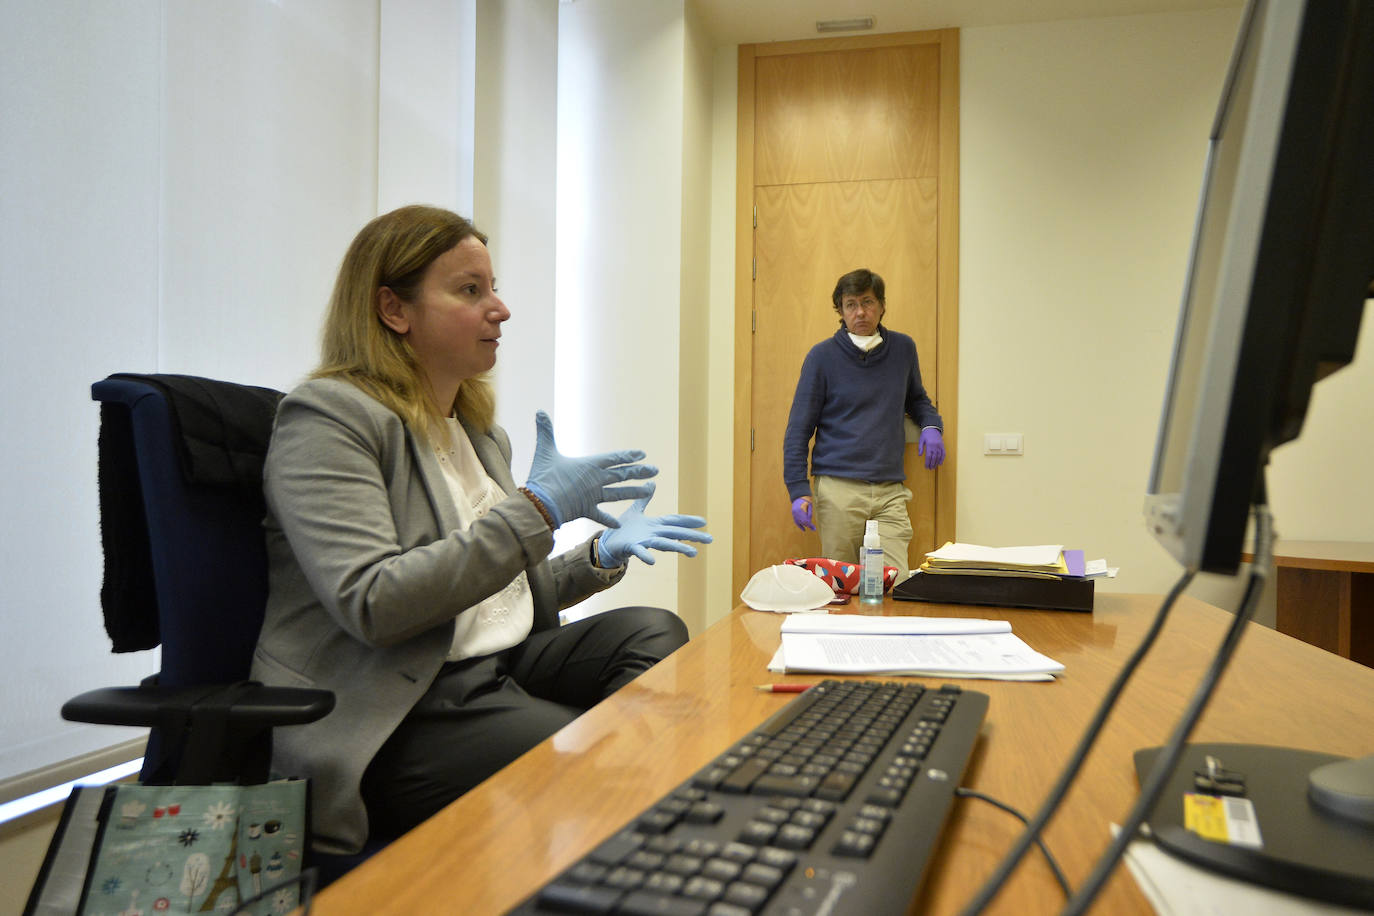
181, 518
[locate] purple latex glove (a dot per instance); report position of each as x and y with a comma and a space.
932, 445
801, 513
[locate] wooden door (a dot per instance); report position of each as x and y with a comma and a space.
846, 148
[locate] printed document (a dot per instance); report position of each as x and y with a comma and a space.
968, 655
1043, 557
873, 625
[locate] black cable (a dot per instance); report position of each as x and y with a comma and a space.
1061, 787
1054, 866
1169, 754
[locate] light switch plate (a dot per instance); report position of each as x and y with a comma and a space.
1002, 444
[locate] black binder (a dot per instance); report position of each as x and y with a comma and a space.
1066, 594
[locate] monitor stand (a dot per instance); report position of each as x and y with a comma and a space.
1305, 849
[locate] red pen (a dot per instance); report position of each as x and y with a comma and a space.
781, 688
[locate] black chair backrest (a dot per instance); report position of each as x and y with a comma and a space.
194, 450
204, 536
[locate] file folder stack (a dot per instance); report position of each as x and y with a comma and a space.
1044, 576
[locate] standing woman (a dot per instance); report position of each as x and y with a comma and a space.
409, 573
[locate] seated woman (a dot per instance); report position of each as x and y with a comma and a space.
409, 573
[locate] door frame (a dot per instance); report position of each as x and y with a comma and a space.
946, 267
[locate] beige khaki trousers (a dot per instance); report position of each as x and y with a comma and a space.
844, 505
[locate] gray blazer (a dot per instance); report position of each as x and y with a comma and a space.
367, 572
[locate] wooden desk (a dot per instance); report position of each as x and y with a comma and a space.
1324, 595
492, 847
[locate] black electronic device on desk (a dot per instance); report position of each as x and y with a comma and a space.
833, 805
1244, 810
1057, 594
1281, 267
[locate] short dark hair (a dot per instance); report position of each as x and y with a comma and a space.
857, 282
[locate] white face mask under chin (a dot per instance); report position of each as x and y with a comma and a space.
866, 343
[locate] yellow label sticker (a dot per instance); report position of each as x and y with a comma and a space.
1224, 820
1204, 815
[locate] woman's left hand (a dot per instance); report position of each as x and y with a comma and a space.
638, 534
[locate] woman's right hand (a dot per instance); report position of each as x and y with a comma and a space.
573, 488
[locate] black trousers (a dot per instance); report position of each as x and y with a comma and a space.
482, 713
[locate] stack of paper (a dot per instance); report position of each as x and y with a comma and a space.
1097, 569
1046, 561
924, 646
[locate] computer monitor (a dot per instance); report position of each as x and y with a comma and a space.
1281, 266
1280, 271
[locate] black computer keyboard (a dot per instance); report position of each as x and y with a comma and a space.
833, 805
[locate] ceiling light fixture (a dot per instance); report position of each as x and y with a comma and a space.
845, 25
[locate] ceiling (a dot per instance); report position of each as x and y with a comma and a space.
732, 22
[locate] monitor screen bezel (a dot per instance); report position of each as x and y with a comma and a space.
1295, 235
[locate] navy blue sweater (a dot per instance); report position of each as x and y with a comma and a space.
853, 403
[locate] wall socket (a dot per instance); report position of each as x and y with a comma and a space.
1002, 444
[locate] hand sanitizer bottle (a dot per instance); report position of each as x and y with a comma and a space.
871, 566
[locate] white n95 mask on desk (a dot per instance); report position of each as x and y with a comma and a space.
788, 589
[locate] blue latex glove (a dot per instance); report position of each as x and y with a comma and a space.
932, 445
801, 513
638, 533
574, 487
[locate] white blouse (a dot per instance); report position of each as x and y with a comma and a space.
504, 619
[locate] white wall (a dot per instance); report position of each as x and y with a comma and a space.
427, 57
79, 283
1319, 485
188, 176
719, 380
515, 192
694, 328
620, 174
1083, 144
269, 167
180, 183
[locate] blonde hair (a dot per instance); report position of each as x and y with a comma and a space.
395, 250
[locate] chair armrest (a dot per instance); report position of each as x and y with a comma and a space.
208, 733
246, 702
